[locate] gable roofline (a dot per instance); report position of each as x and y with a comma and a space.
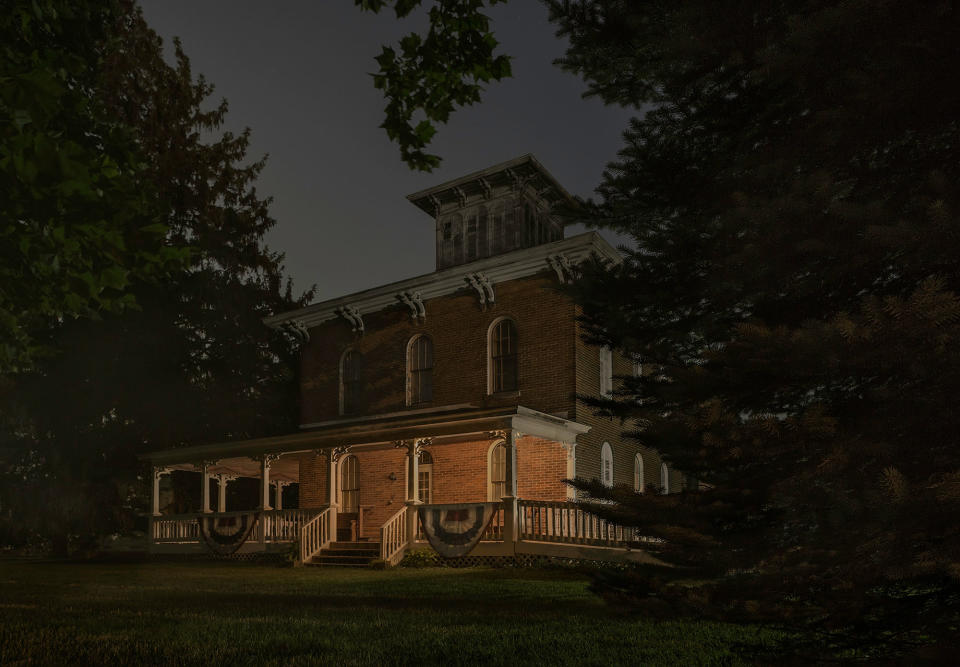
525, 167
498, 269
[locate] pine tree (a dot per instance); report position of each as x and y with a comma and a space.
791, 182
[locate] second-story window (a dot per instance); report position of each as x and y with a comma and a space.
606, 372
351, 382
503, 357
420, 370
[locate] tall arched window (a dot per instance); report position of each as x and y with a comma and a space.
503, 357
419, 370
638, 484
606, 372
351, 382
349, 486
664, 478
425, 476
497, 475
606, 464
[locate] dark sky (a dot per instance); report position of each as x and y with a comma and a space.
296, 73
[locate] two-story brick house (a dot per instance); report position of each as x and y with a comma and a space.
455, 386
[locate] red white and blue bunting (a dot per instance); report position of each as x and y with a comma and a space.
224, 535
454, 530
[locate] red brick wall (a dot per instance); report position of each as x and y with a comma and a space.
458, 327
459, 475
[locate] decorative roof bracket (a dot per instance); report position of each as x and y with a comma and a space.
352, 315
461, 196
413, 301
487, 189
298, 330
565, 270
483, 287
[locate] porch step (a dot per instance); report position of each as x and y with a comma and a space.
347, 554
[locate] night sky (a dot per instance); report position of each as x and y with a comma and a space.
296, 73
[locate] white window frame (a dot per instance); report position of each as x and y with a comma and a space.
606, 456
606, 372
341, 469
410, 346
343, 388
490, 330
638, 485
492, 448
664, 479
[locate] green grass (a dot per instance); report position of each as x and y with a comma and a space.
218, 613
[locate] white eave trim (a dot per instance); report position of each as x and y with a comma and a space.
499, 268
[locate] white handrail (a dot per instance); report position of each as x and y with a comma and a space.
316, 535
552, 521
393, 537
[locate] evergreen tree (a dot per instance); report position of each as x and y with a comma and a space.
792, 184
195, 363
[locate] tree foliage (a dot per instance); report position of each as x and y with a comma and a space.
79, 223
194, 363
433, 74
793, 193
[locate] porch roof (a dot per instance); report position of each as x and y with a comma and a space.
439, 423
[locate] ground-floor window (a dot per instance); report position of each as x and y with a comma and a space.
498, 471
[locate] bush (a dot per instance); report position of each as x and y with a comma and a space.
421, 558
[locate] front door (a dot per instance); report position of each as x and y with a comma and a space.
348, 519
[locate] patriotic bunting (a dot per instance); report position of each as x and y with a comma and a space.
223, 535
454, 530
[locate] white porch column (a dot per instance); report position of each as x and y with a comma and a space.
205, 485
222, 480
511, 523
571, 449
278, 494
158, 472
265, 461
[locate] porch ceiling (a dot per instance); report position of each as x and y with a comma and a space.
442, 422
284, 469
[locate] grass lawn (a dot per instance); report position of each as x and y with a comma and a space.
220, 613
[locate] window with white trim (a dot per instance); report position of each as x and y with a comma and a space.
638, 485
425, 477
606, 372
664, 479
419, 370
351, 382
497, 471
349, 486
503, 346
606, 464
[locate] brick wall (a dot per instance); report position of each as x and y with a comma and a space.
458, 327
459, 474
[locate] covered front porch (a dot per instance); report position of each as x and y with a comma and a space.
362, 485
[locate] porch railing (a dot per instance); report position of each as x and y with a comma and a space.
280, 525
393, 537
550, 521
493, 532
317, 534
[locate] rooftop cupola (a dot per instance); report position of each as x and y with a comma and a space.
497, 210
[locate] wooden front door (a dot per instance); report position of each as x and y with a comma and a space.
348, 519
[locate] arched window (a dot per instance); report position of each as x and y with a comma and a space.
606, 372
638, 484
497, 466
664, 478
425, 476
503, 357
349, 486
606, 464
351, 382
419, 370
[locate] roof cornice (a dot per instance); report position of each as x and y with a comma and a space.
498, 269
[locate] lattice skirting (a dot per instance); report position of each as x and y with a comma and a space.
260, 557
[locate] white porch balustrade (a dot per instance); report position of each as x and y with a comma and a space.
273, 526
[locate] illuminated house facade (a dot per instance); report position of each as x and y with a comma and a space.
457, 386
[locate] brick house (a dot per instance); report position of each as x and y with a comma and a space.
455, 386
